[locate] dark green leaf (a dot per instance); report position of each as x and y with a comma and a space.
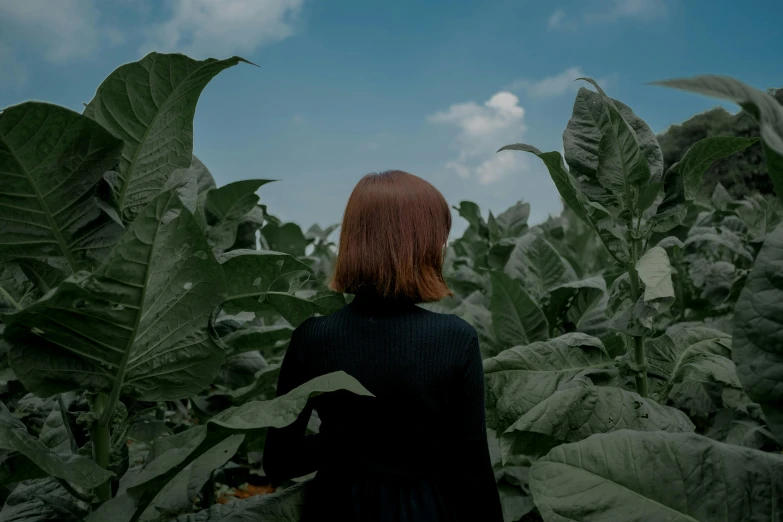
631, 475
758, 322
515, 316
150, 105
51, 162
140, 322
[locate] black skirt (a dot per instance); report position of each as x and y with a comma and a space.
378, 497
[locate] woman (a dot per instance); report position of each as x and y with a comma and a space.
417, 450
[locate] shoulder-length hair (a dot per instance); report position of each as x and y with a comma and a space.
392, 237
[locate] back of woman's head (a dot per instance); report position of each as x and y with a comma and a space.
392, 237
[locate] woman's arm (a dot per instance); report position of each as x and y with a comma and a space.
484, 501
289, 452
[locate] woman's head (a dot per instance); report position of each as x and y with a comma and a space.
392, 237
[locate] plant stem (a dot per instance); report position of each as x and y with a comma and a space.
638, 351
100, 435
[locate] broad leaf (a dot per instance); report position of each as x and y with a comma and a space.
576, 413
515, 316
758, 323
519, 378
51, 163
259, 280
150, 105
639, 476
513, 221
761, 105
537, 265
76, 469
698, 354
137, 326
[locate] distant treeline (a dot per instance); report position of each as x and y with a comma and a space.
741, 174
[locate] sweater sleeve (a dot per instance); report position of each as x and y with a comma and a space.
484, 502
289, 452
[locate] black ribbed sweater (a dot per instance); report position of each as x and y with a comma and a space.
415, 451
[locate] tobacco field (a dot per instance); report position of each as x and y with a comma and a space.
633, 345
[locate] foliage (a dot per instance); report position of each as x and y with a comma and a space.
631, 344
742, 174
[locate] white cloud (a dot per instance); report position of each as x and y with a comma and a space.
608, 11
555, 85
62, 30
556, 19
483, 129
202, 28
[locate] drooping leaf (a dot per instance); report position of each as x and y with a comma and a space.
76, 469
519, 378
150, 105
51, 162
44, 275
258, 280
574, 414
635, 476
262, 338
515, 316
566, 185
766, 109
683, 179
168, 460
140, 322
536, 264
758, 324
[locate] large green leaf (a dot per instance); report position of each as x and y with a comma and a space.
698, 354
169, 457
150, 105
76, 469
258, 280
683, 179
51, 163
519, 378
758, 323
138, 326
537, 265
41, 500
761, 105
579, 306
576, 413
642, 476
515, 316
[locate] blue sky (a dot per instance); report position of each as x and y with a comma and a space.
347, 87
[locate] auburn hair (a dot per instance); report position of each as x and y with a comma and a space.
392, 237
